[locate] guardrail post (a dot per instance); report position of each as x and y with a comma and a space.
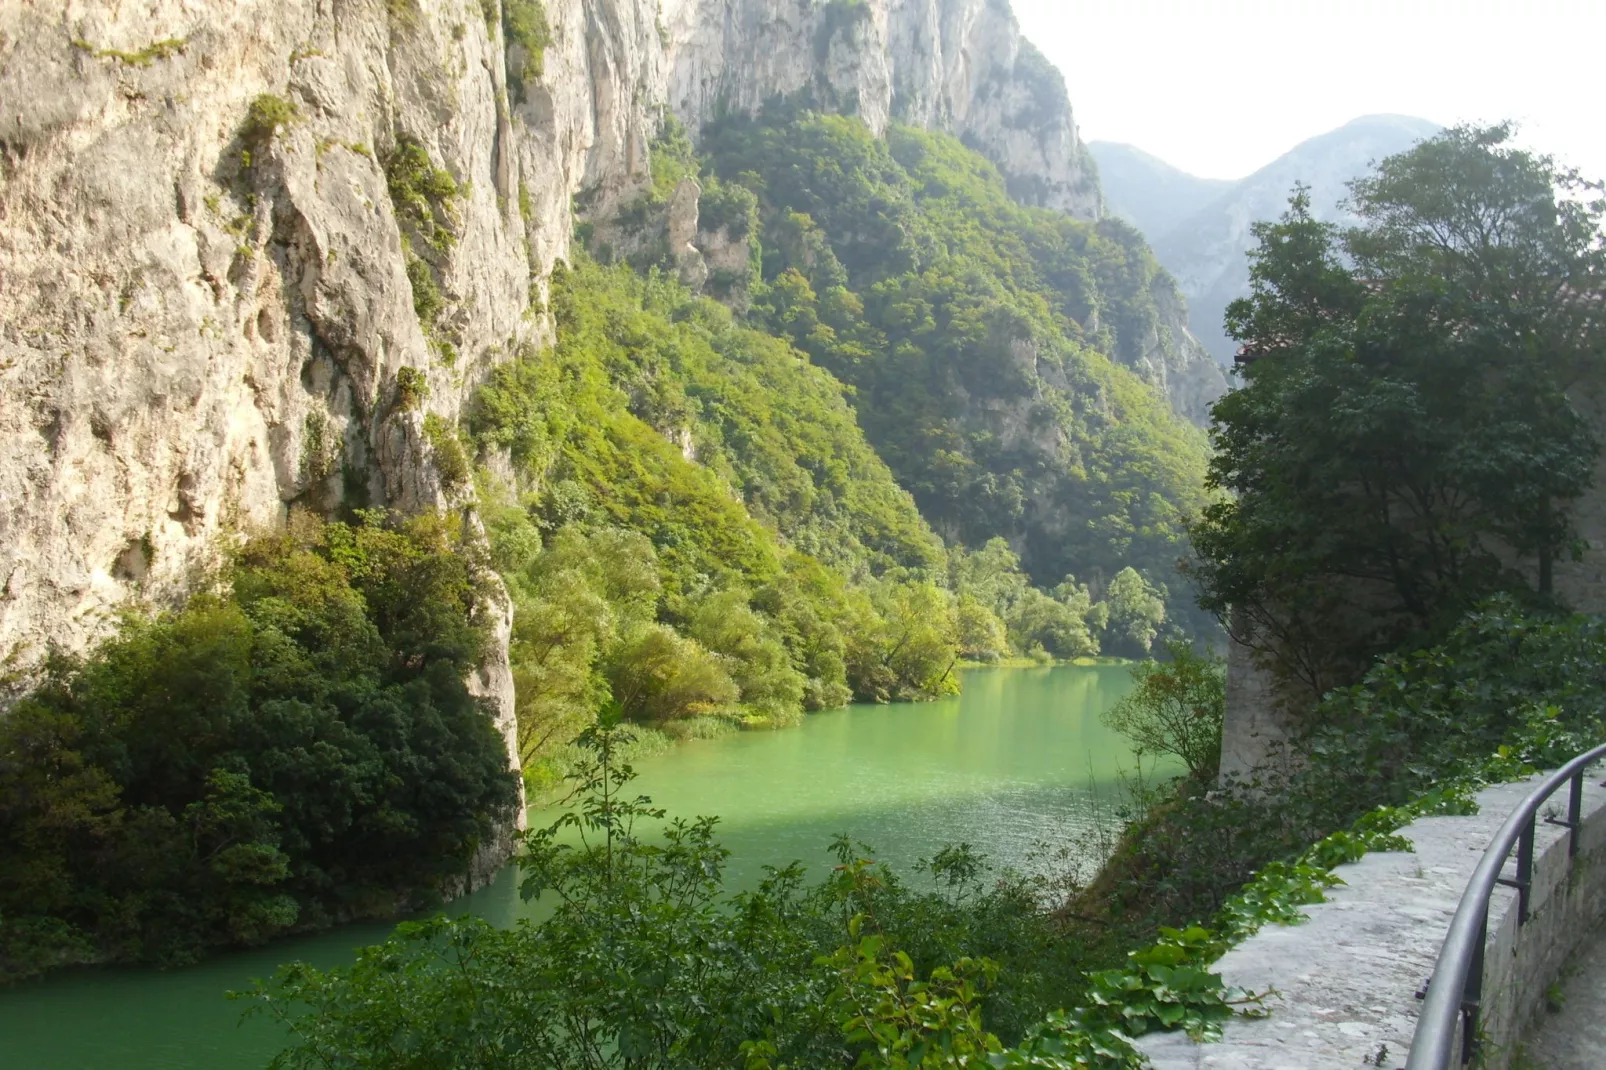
1525, 870
1472, 992
1575, 813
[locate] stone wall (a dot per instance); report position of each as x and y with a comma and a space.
1256, 727
1345, 981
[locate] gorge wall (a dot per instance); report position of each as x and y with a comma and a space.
213, 271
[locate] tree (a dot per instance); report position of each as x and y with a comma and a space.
726, 624
981, 634
1136, 610
299, 749
656, 675
1405, 437
1177, 708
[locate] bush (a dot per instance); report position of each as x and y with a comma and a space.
267, 118
525, 24
423, 195
1506, 691
1176, 709
643, 963
657, 675
451, 461
298, 752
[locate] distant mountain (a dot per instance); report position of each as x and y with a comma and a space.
1148, 192
1206, 248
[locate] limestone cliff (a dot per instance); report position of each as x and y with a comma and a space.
958, 66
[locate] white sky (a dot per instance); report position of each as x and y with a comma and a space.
1222, 87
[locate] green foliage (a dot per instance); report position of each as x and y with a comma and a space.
751, 499
1405, 430
525, 25
640, 963
163, 49
976, 336
1176, 708
428, 301
656, 675
1505, 693
412, 387
1168, 986
673, 158
299, 752
451, 461
1062, 623
1136, 611
267, 117
423, 195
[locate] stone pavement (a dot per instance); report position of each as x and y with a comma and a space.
1574, 1036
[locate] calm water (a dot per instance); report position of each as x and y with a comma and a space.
1016, 761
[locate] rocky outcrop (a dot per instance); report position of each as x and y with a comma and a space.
958, 66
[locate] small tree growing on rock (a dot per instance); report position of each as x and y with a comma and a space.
1177, 708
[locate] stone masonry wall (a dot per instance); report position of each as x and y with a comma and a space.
1345, 981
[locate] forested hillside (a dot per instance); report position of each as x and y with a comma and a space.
729, 513
977, 336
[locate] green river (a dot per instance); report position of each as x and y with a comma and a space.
1017, 760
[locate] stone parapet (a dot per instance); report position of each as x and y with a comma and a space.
1344, 983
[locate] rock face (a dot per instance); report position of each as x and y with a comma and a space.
958, 66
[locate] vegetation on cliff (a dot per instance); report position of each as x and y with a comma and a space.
294, 750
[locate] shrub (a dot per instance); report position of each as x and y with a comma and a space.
267, 117
298, 752
451, 461
412, 387
424, 196
525, 24
1177, 709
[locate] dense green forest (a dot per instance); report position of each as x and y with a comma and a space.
726, 509
977, 337
294, 750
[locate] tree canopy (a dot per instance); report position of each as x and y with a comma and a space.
1406, 441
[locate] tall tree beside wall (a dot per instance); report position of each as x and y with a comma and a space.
1403, 445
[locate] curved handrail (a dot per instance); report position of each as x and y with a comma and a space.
1457, 985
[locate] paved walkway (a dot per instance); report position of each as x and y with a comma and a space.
1573, 1037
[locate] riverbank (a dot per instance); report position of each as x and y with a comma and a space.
1014, 762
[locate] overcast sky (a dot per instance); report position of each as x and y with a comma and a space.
1222, 87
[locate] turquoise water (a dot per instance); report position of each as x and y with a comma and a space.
1019, 759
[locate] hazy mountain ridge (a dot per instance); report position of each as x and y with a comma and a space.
1149, 193
1206, 250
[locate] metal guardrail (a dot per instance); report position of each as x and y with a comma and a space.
1456, 988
